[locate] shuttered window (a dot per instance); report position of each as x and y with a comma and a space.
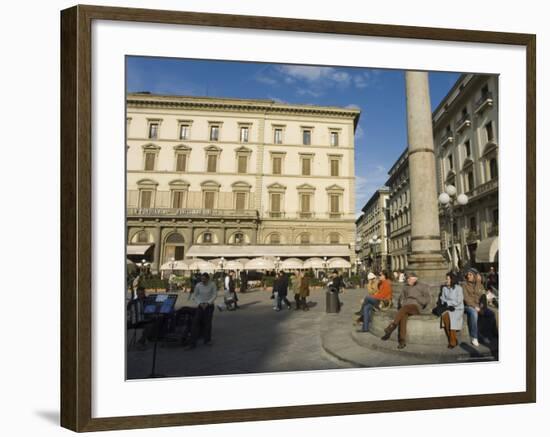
277, 165
306, 166
181, 161
146, 197
242, 164
177, 199
212, 163
209, 199
240, 201
334, 203
150, 161
334, 167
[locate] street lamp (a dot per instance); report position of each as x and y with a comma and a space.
374, 242
449, 200
277, 262
325, 265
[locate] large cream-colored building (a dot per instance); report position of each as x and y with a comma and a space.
466, 143
373, 226
212, 177
399, 212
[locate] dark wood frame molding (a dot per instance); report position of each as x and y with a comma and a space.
76, 225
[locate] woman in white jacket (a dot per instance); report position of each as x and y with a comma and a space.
452, 296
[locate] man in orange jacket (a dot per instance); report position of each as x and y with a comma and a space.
371, 301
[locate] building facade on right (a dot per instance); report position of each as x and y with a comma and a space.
465, 126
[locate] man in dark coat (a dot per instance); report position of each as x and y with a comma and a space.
280, 286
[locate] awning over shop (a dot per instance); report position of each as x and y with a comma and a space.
260, 264
338, 263
487, 250
314, 263
137, 249
269, 250
291, 263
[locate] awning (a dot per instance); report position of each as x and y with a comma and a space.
233, 265
269, 250
291, 263
338, 263
202, 266
487, 250
137, 249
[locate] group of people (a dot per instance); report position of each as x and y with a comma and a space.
297, 284
456, 299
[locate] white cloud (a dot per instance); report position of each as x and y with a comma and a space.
277, 100
353, 106
359, 132
266, 79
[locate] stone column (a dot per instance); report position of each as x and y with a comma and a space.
426, 258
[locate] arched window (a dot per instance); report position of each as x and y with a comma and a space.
275, 238
334, 238
305, 238
239, 238
174, 247
141, 237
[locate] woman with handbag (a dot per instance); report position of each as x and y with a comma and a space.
451, 308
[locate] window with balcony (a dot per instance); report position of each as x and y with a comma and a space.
240, 201
178, 197
209, 199
146, 199
305, 205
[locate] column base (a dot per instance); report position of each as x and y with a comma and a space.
430, 268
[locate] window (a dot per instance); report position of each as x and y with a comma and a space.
278, 136
209, 197
177, 199
489, 131
244, 134
184, 131
334, 203
470, 177
207, 238
495, 216
153, 130
275, 238
467, 149
275, 205
214, 133
239, 238
242, 163
142, 237
335, 167
240, 201
277, 164
451, 164
334, 138
448, 130
473, 224
493, 168
305, 239
306, 166
212, 163
464, 112
455, 230
306, 137
485, 90
146, 199
181, 161
150, 161
305, 205
334, 238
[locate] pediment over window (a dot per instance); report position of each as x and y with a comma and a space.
305, 187
210, 184
489, 148
467, 163
150, 147
276, 186
213, 148
335, 187
243, 149
180, 183
241, 185
182, 148
147, 182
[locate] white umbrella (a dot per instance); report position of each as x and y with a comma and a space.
339, 263
292, 264
260, 264
313, 263
243, 261
202, 266
175, 265
233, 265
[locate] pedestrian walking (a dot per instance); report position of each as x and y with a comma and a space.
280, 286
303, 291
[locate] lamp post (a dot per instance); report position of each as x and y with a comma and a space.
171, 279
325, 265
277, 263
374, 242
449, 200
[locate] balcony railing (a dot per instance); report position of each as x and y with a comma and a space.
485, 100
486, 187
463, 123
446, 138
276, 214
190, 212
306, 214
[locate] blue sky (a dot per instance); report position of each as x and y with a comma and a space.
381, 135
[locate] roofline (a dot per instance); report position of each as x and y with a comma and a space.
175, 101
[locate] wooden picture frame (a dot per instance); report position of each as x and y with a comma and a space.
76, 217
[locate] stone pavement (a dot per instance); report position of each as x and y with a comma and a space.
256, 339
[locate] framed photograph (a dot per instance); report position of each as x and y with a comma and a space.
303, 217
